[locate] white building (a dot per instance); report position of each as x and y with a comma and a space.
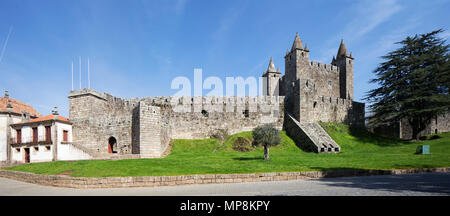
27, 137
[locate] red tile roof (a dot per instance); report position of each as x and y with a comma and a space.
17, 107
45, 118
50, 117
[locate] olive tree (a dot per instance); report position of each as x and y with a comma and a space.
266, 135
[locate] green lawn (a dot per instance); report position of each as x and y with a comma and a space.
359, 150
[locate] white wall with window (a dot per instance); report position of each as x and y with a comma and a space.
3, 137
67, 151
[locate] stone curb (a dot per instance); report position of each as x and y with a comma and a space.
152, 181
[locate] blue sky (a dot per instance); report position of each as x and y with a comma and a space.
136, 47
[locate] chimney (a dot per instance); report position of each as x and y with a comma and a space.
6, 94
26, 117
9, 106
55, 112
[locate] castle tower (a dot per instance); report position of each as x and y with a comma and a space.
271, 80
345, 63
296, 64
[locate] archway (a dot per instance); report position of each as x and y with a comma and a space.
112, 143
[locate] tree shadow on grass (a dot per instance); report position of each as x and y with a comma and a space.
248, 158
403, 183
363, 135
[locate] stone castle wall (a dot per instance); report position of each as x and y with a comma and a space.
439, 125
96, 117
146, 126
323, 77
403, 129
315, 108
154, 131
200, 117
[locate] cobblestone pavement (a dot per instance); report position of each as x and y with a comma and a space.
424, 184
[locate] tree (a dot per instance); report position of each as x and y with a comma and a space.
414, 83
267, 136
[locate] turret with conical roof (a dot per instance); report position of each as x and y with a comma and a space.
271, 79
298, 44
271, 67
345, 63
342, 51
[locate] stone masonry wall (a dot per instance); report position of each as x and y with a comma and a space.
323, 77
146, 126
402, 129
96, 117
155, 181
192, 118
315, 108
154, 131
442, 125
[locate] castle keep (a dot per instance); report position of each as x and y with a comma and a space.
307, 93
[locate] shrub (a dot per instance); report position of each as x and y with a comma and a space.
241, 144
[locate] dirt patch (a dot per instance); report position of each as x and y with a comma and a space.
67, 173
168, 150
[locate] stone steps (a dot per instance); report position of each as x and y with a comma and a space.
320, 137
310, 136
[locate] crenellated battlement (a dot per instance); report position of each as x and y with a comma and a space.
323, 66
184, 102
213, 100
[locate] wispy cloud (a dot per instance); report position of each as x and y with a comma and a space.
220, 36
387, 42
371, 15
5, 44
259, 68
367, 15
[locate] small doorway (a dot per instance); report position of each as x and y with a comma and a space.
27, 155
112, 143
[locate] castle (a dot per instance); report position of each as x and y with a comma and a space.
308, 92
102, 126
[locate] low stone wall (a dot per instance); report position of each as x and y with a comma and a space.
152, 181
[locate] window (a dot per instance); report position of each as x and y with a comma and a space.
35, 134
19, 136
204, 113
66, 136
36, 148
48, 133
17, 149
246, 114
329, 82
47, 148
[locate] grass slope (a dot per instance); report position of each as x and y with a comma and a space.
360, 150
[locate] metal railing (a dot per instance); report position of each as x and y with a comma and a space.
31, 140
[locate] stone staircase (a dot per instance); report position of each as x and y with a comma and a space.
320, 137
104, 156
89, 152
123, 156
310, 136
